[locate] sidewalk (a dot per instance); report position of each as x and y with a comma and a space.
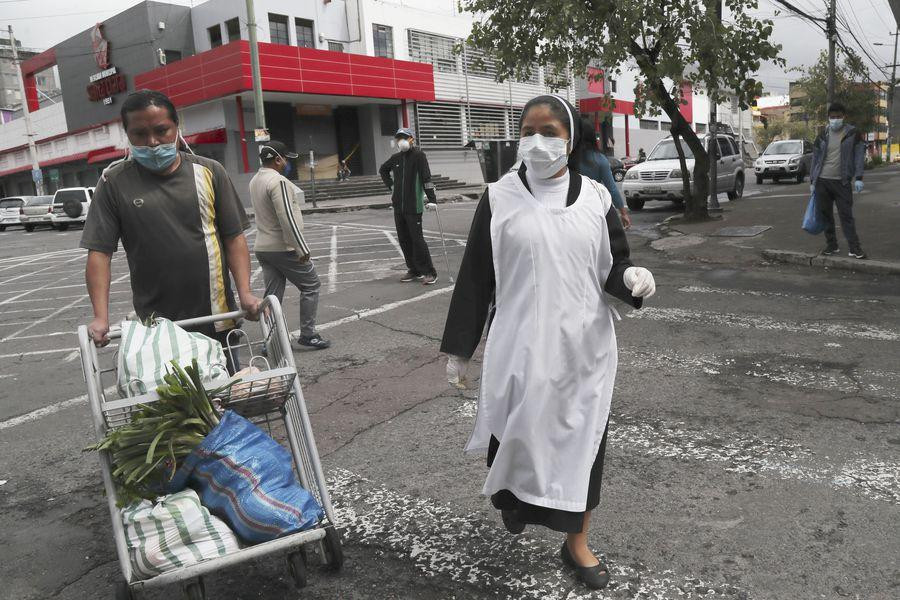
777, 215
461, 194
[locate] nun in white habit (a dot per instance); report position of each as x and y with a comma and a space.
545, 255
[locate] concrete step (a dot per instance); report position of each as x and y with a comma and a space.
362, 186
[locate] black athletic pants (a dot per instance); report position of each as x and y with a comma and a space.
830, 192
412, 243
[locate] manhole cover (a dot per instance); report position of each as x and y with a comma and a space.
742, 231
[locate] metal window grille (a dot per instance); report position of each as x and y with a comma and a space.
304, 29
479, 64
233, 27
335, 46
436, 50
383, 38
556, 79
278, 29
649, 124
488, 123
439, 125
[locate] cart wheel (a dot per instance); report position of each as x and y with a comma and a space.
334, 552
123, 591
195, 590
297, 568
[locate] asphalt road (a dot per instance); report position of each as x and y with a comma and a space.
754, 448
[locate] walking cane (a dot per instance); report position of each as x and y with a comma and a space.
433, 206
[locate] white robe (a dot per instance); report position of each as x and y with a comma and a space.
550, 358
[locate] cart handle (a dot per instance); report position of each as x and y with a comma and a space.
116, 331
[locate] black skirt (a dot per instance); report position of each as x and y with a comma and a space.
563, 521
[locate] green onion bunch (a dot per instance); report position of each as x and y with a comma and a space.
147, 451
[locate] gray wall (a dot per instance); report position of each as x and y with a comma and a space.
134, 37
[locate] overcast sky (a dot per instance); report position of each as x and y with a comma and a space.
44, 23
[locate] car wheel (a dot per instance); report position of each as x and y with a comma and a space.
619, 175
72, 208
800, 176
635, 204
62, 226
2, 227
29, 228
738, 190
776, 179
759, 180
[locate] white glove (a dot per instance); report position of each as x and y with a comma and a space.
858, 186
640, 281
456, 371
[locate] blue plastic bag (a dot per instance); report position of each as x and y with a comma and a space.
247, 479
812, 220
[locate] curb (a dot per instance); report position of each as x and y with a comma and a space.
372, 205
874, 267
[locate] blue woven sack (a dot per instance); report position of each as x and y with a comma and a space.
812, 220
246, 478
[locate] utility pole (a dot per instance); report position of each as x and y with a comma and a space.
831, 29
713, 204
890, 115
29, 130
258, 107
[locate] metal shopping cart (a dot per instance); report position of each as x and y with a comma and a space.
271, 398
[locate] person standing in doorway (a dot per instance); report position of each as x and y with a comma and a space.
408, 176
180, 222
839, 157
280, 248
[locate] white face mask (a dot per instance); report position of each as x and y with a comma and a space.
543, 156
836, 124
404, 145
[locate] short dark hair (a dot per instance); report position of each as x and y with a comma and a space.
837, 107
143, 99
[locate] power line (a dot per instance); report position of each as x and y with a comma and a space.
797, 10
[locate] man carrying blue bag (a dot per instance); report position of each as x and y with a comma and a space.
837, 164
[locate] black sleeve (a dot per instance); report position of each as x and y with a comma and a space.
385, 172
474, 291
618, 245
425, 174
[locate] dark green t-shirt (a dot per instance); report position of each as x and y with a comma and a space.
172, 228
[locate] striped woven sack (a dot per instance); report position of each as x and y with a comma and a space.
146, 352
174, 532
247, 478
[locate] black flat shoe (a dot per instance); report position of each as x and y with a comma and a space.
512, 524
595, 578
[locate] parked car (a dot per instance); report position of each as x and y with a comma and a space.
659, 177
618, 168
784, 159
36, 211
9, 210
70, 205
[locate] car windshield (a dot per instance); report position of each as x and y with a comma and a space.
10, 203
63, 195
785, 148
665, 150
40, 200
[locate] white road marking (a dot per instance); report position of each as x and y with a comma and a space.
384, 308
683, 316
30, 273
72, 356
48, 410
36, 258
393, 240
36, 353
472, 549
699, 289
333, 265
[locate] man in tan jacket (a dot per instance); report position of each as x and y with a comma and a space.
280, 248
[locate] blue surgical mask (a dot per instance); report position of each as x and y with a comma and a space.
835, 124
288, 169
155, 158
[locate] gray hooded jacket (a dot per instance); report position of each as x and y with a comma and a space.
853, 155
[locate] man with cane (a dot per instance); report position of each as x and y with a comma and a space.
408, 176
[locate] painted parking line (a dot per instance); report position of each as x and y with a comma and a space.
469, 549
684, 316
701, 289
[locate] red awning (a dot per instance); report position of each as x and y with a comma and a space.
213, 136
104, 154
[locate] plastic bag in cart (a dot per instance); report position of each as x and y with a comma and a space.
245, 477
175, 531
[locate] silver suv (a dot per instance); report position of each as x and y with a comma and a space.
659, 177
784, 159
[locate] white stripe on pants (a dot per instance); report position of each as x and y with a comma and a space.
278, 267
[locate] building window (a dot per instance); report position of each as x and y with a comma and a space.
233, 27
556, 79
304, 29
479, 64
215, 36
278, 29
172, 56
436, 50
700, 127
383, 37
390, 122
649, 124
439, 125
335, 46
612, 86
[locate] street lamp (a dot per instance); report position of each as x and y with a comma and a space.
890, 109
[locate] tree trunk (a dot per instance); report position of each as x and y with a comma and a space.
682, 162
